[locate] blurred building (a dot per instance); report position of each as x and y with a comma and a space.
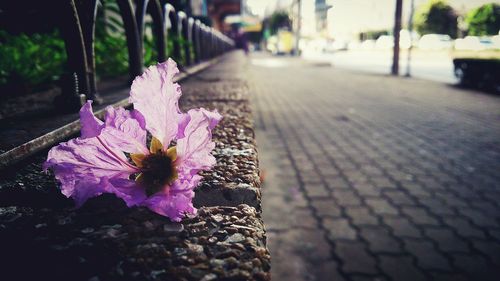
218, 10
321, 11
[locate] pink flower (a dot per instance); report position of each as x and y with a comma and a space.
113, 157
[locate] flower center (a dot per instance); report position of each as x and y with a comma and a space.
157, 168
157, 171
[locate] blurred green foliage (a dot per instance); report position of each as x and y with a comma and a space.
31, 59
373, 34
279, 19
37, 60
111, 56
436, 16
484, 20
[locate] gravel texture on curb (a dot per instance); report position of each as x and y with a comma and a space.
43, 237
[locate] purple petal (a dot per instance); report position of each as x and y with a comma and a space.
193, 151
127, 190
91, 126
83, 167
183, 122
176, 201
124, 130
156, 96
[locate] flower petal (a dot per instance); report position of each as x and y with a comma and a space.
124, 130
83, 167
193, 151
128, 190
91, 126
156, 96
176, 201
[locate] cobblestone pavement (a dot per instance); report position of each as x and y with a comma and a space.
370, 177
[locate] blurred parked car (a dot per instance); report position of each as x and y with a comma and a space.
384, 42
435, 42
470, 43
367, 45
475, 43
336, 45
317, 45
496, 41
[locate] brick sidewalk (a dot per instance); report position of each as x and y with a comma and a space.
370, 177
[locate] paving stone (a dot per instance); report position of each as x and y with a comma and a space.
464, 228
417, 190
488, 208
419, 216
346, 198
366, 278
379, 240
476, 266
327, 271
402, 227
478, 218
367, 189
338, 184
325, 207
316, 190
355, 258
427, 255
384, 183
311, 245
381, 206
447, 241
339, 229
438, 207
448, 277
400, 198
494, 233
303, 217
401, 268
452, 200
490, 249
277, 218
361, 216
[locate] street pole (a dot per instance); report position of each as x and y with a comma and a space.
397, 29
297, 33
410, 30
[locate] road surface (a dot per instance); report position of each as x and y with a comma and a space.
372, 177
435, 66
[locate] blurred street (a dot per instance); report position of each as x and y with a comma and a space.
371, 177
435, 66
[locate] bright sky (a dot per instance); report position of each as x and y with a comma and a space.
349, 17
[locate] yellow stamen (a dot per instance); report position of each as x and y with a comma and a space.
172, 153
156, 146
137, 159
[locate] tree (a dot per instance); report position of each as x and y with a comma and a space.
436, 17
279, 19
484, 20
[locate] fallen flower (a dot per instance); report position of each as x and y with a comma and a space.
113, 157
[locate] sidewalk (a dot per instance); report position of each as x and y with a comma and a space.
370, 177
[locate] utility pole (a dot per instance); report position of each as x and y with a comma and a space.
397, 29
410, 30
297, 33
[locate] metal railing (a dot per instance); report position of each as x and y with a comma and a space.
76, 20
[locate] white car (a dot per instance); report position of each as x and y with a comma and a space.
435, 42
385, 42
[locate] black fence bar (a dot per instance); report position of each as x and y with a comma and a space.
195, 29
77, 19
183, 24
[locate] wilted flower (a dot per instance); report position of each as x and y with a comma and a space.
113, 157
